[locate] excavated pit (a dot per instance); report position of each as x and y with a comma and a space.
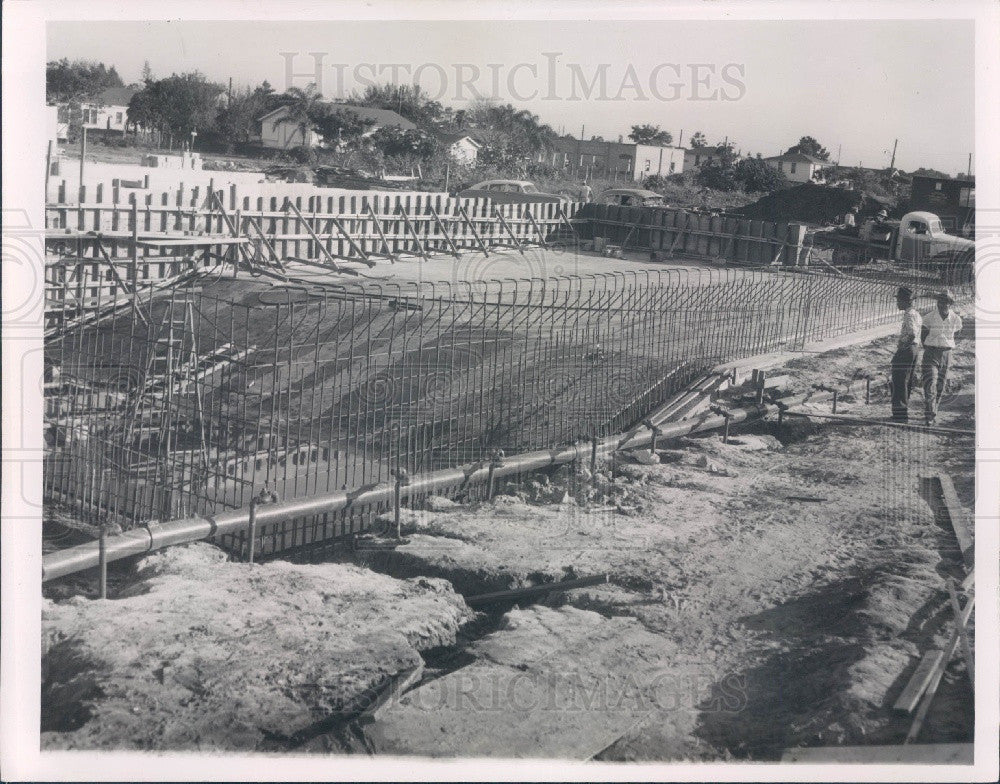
737, 622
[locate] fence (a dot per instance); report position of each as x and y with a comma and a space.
676, 231
212, 396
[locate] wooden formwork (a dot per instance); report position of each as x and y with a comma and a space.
683, 233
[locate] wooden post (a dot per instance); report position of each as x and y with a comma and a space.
252, 531
83, 151
133, 272
48, 170
102, 560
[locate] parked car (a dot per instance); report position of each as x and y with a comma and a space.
632, 197
509, 191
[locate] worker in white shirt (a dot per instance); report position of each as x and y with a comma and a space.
940, 325
904, 361
851, 220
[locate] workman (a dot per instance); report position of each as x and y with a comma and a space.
940, 325
904, 361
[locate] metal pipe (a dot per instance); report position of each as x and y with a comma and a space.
156, 536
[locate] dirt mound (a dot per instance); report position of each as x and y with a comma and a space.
808, 203
207, 654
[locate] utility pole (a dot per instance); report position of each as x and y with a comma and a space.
229, 104
582, 129
839, 147
969, 171
680, 138
892, 163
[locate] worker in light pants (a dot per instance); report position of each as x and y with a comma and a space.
940, 325
904, 361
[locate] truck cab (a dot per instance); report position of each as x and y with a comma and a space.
921, 238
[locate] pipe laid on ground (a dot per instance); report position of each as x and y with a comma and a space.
156, 536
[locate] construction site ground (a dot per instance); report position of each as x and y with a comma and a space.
772, 592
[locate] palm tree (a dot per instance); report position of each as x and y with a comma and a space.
302, 106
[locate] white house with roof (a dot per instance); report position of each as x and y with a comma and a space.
798, 166
279, 132
460, 145
108, 110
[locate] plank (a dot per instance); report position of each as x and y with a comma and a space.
958, 517
915, 754
919, 681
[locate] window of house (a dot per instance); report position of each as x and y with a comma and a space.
967, 197
937, 186
672, 167
781, 165
118, 117
697, 160
792, 169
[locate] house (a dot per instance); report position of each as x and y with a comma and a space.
461, 146
278, 132
592, 158
797, 166
696, 157
952, 200
658, 159
108, 110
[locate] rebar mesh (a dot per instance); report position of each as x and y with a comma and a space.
220, 393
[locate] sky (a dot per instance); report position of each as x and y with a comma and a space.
856, 86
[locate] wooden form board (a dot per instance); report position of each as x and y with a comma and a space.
959, 519
346, 225
682, 233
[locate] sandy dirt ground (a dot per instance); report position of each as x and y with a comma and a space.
198, 653
768, 593
778, 622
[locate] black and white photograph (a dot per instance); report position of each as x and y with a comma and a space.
500, 391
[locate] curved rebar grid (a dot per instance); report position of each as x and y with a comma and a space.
332, 384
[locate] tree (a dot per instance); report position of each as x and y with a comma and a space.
698, 140
147, 72
391, 140
650, 134
73, 81
181, 104
510, 131
753, 176
407, 100
304, 107
338, 125
237, 120
809, 146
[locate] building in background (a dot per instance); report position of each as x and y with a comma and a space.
278, 132
798, 167
108, 110
952, 200
460, 146
614, 160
